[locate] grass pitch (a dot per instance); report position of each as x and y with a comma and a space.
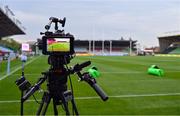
131, 90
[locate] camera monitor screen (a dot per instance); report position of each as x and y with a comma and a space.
58, 44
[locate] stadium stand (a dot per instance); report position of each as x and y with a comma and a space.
172, 49
168, 50
9, 26
107, 47
175, 51
169, 42
4, 53
5, 50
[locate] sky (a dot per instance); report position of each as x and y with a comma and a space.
141, 20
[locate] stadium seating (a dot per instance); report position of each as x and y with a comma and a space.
175, 51
174, 48
169, 49
81, 50
3, 49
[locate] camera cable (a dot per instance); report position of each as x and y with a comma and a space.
36, 100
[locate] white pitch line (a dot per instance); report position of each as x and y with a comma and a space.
100, 72
15, 101
27, 74
17, 69
97, 97
137, 72
107, 73
130, 96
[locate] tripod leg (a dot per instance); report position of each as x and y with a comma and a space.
22, 107
40, 108
41, 105
74, 107
65, 104
44, 104
55, 108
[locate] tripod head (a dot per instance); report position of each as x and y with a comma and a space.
56, 21
59, 61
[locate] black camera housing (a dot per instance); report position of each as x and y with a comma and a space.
58, 40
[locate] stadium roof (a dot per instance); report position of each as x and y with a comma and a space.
170, 34
7, 26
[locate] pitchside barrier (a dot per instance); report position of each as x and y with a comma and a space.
84, 54
168, 55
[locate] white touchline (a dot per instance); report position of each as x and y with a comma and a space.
97, 97
17, 69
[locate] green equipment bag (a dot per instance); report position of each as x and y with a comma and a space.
155, 70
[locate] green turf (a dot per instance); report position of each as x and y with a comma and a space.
3, 66
119, 76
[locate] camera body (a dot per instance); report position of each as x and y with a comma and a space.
57, 44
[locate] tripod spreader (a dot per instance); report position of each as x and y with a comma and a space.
33, 89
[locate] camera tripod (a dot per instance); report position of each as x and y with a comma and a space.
58, 73
56, 78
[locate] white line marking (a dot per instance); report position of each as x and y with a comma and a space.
131, 96
27, 74
17, 69
106, 73
97, 97
137, 72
